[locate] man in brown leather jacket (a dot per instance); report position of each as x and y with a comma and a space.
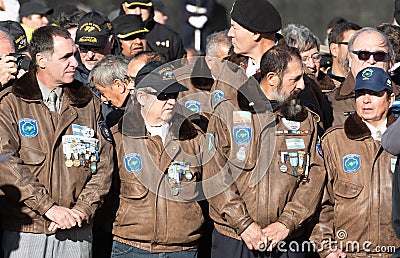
376, 50
264, 178
159, 167
56, 166
355, 218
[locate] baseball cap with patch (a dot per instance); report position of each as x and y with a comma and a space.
374, 79
128, 25
94, 30
256, 15
159, 76
17, 34
130, 3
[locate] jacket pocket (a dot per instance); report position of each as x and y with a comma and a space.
133, 190
347, 190
31, 156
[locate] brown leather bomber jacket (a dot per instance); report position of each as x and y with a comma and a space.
357, 203
152, 214
34, 175
262, 167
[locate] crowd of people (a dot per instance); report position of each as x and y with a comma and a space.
115, 141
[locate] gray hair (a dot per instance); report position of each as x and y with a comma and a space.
216, 40
300, 37
144, 89
370, 29
109, 69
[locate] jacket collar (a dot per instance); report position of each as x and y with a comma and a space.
27, 88
345, 90
356, 129
132, 124
251, 98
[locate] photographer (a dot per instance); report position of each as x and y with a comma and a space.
8, 65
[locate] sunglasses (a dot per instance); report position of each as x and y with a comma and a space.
164, 96
379, 56
85, 49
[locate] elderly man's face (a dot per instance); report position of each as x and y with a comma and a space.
242, 39
132, 46
373, 106
90, 56
156, 111
370, 41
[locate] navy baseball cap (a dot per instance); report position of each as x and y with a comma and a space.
374, 79
128, 25
17, 34
159, 76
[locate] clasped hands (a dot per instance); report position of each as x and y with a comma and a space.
64, 218
264, 239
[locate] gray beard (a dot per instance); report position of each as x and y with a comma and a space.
290, 107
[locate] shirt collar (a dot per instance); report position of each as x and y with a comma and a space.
376, 133
46, 91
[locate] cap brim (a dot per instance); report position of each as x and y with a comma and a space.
138, 3
127, 35
175, 87
372, 87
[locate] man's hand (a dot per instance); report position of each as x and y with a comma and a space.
8, 69
254, 237
79, 216
275, 233
337, 254
61, 217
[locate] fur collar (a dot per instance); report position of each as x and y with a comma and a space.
132, 124
356, 129
27, 87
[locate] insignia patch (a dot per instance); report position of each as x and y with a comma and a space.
242, 134
351, 163
28, 127
291, 125
393, 161
319, 147
82, 130
133, 162
193, 105
105, 132
217, 96
295, 143
211, 140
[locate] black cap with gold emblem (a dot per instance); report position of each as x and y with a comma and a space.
94, 30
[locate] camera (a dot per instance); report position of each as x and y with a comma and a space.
22, 62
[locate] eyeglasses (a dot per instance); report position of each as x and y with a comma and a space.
130, 79
164, 96
85, 49
379, 56
316, 58
342, 43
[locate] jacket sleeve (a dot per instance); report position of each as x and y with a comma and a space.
17, 181
307, 196
99, 184
324, 231
391, 138
222, 192
396, 201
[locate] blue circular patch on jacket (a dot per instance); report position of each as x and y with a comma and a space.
217, 96
133, 162
242, 134
28, 127
351, 163
193, 105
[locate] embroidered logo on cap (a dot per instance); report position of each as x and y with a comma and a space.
367, 73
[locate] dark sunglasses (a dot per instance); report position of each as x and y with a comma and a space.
85, 49
379, 56
164, 96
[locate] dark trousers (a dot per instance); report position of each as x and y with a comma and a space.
223, 246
